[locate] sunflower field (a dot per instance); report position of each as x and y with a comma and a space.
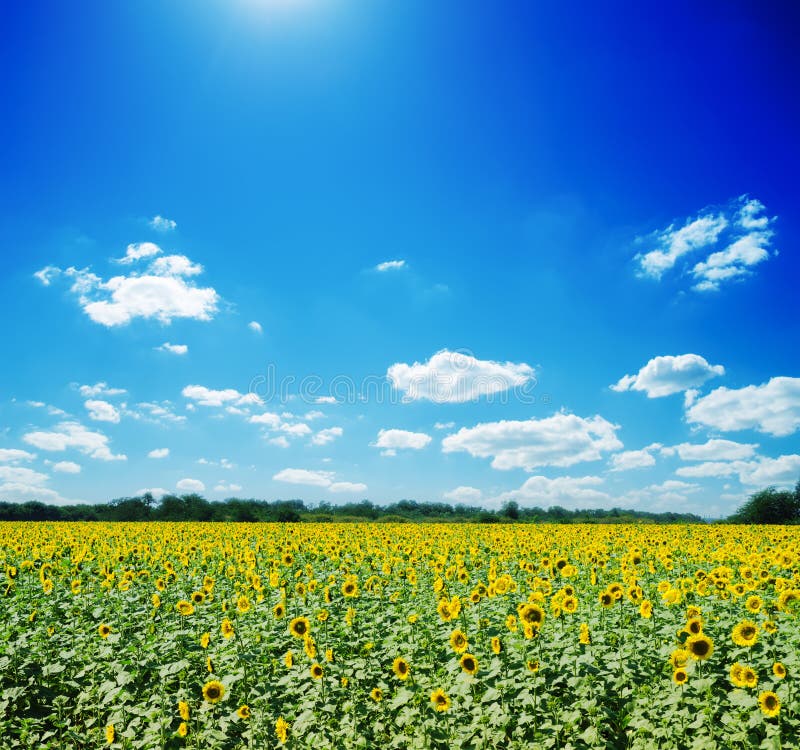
170, 635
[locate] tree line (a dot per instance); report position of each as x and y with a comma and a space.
766, 506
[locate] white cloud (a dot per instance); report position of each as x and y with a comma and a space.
759, 472
13, 455
454, 377
102, 411
254, 325
674, 243
280, 441
325, 400
73, 435
223, 463
464, 494
712, 450
267, 418
560, 440
733, 240
160, 292
444, 425
323, 437
162, 224
17, 483
305, 476
67, 467
393, 440
772, 408
710, 469
172, 348
154, 491
634, 459
47, 274
663, 376
138, 250
158, 412
158, 453
190, 485
313, 414
295, 430
227, 487
227, 396
347, 487
390, 265
568, 492
100, 389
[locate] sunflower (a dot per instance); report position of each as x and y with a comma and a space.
400, 668
646, 609
749, 677
440, 700
458, 641
694, 626
310, 647
570, 605
606, 599
350, 588
679, 658
469, 663
161, 584
497, 645
155, 600
198, 597
532, 665
183, 729
699, 646
745, 633
680, 676
532, 614
183, 710
281, 730
279, 611
769, 703
110, 734
243, 712
737, 675
316, 671
204, 639
104, 630
779, 670
754, 604
584, 638
288, 660
376, 694
184, 607
299, 627
243, 604
213, 691
226, 628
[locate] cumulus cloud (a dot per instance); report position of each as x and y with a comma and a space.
255, 326
316, 478
190, 485
17, 483
560, 440
267, 418
179, 349
464, 494
158, 453
161, 292
162, 224
67, 467
663, 376
157, 412
712, 450
325, 400
390, 265
772, 408
454, 377
733, 241
13, 455
73, 435
227, 487
568, 492
102, 411
640, 459
280, 441
758, 472
100, 389
154, 491
323, 437
444, 425
227, 396
392, 440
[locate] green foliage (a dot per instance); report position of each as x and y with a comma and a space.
770, 506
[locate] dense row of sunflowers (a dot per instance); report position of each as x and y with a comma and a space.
228, 636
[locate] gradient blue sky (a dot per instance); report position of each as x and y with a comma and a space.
570, 195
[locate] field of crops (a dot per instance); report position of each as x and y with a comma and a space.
383, 635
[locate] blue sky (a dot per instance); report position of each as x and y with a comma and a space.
493, 253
